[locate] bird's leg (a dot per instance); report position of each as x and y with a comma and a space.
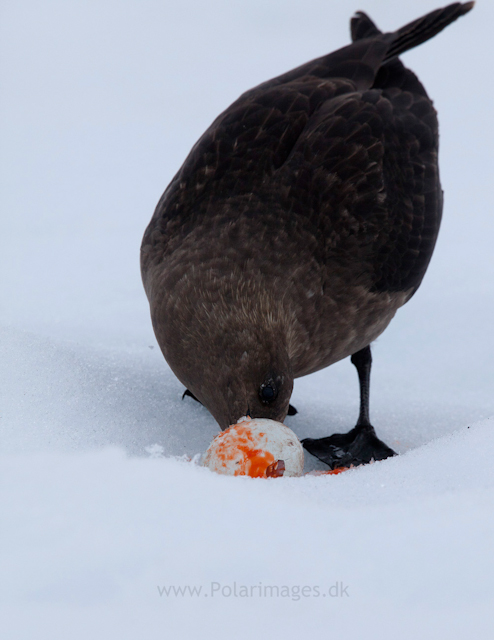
360, 445
363, 362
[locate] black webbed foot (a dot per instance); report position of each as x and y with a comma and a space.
358, 446
291, 410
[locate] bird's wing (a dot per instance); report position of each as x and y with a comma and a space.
356, 127
364, 173
258, 131
359, 169
244, 147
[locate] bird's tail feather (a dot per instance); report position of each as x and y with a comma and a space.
361, 26
420, 30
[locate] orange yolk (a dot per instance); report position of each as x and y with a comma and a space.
332, 471
253, 461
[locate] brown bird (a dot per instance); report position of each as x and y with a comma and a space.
301, 220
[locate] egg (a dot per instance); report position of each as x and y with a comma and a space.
257, 447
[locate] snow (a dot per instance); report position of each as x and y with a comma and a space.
93, 537
101, 103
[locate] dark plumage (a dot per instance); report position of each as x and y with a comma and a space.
302, 219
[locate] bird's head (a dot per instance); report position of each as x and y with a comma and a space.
245, 383
224, 332
238, 374
235, 364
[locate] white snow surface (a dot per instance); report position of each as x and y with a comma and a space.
103, 521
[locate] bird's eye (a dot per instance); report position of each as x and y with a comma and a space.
268, 392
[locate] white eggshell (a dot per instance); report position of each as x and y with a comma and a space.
250, 446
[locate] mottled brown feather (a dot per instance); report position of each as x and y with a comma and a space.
302, 219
